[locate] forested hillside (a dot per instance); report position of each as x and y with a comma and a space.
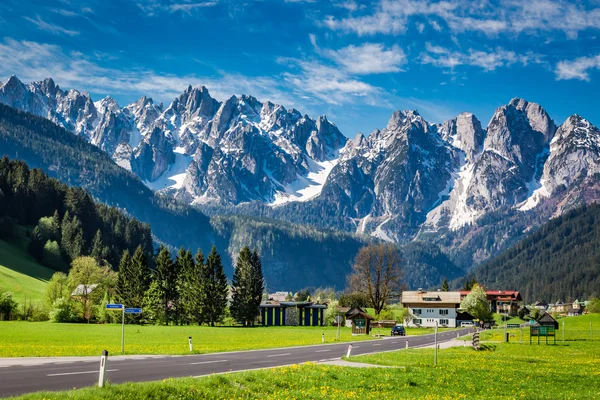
560, 261
66, 221
74, 161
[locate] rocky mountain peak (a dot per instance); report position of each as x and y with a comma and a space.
463, 132
401, 118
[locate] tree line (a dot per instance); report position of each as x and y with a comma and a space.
67, 222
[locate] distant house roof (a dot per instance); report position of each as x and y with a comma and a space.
357, 312
431, 297
498, 295
575, 311
547, 320
286, 304
82, 290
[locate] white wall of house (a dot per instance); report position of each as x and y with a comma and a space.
427, 315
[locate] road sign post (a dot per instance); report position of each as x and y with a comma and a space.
123, 312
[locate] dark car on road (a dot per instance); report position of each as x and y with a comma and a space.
398, 330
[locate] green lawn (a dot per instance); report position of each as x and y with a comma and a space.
569, 370
37, 339
21, 274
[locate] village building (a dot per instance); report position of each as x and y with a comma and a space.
279, 313
360, 321
431, 308
501, 301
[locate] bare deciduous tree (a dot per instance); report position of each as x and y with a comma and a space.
377, 273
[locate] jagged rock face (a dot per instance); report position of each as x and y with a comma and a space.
392, 177
258, 151
465, 133
574, 154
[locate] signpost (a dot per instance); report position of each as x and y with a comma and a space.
339, 320
545, 331
435, 349
124, 311
509, 326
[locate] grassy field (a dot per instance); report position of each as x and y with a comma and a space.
46, 339
21, 274
36, 339
569, 370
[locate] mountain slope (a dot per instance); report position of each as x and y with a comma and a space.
284, 247
560, 261
197, 149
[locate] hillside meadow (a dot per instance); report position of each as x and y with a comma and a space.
568, 370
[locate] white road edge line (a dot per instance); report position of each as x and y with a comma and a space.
208, 362
279, 355
377, 344
321, 351
81, 372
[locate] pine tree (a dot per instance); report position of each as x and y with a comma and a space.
185, 285
258, 286
124, 279
99, 251
55, 227
138, 280
242, 287
215, 288
72, 237
166, 280
445, 286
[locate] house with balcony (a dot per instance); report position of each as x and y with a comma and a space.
431, 308
501, 301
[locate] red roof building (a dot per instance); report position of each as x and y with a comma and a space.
501, 301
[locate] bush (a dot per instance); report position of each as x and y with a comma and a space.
386, 315
331, 312
52, 257
33, 311
353, 300
7, 306
64, 310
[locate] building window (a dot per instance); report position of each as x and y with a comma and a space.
443, 322
429, 311
417, 321
443, 312
417, 311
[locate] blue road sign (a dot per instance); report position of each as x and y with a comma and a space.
115, 306
133, 311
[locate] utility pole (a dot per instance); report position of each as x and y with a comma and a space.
123, 330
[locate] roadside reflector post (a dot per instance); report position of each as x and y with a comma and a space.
407, 343
323, 338
435, 349
101, 377
349, 351
457, 335
191, 345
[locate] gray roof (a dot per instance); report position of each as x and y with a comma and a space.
430, 297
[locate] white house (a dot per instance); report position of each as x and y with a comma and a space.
427, 308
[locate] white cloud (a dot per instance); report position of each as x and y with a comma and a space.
487, 60
187, 7
48, 27
510, 16
304, 85
577, 69
369, 58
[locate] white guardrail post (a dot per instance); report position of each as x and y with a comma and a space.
101, 377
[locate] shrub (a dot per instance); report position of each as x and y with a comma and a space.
64, 310
7, 306
33, 311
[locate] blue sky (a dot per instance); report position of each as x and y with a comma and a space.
355, 61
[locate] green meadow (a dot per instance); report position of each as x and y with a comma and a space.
567, 370
21, 274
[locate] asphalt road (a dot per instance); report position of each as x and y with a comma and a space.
15, 380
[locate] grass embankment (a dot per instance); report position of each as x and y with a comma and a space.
502, 371
39, 339
21, 274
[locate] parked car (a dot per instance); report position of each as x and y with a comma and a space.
467, 323
398, 330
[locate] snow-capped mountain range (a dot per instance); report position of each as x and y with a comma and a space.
198, 149
408, 178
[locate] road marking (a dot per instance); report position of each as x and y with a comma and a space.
81, 372
208, 362
394, 342
356, 347
321, 351
279, 355
377, 344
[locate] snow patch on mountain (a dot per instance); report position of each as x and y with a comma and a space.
306, 187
